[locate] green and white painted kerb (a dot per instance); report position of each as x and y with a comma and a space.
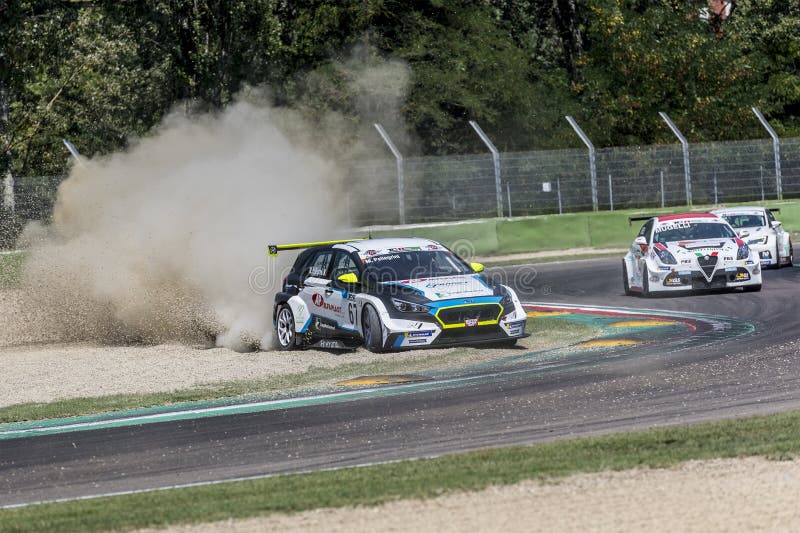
714, 329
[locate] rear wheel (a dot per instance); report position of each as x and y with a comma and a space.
625, 283
285, 335
372, 330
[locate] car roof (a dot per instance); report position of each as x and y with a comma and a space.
386, 243
748, 210
664, 218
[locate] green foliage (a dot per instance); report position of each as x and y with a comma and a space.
100, 73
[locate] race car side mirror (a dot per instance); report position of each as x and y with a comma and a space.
744, 233
775, 224
641, 241
348, 279
477, 267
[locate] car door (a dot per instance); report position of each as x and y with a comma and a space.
344, 263
323, 301
639, 253
781, 237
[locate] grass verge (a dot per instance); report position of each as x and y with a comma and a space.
545, 334
776, 437
10, 269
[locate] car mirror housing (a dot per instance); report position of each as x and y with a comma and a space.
477, 267
348, 279
744, 233
775, 224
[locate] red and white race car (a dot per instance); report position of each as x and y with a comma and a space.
692, 251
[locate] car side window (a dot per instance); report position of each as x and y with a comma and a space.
770, 218
318, 266
344, 264
646, 230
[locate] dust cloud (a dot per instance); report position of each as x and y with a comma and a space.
167, 240
161, 242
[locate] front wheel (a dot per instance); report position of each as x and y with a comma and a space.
646, 283
285, 335
752, 288
372, 330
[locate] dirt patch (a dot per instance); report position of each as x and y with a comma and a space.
39, 371
750, 494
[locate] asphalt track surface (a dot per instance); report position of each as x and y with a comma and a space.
754, 374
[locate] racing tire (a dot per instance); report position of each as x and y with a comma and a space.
646, 284
752, 288
285, 335
625, 284
791, 257
372, 330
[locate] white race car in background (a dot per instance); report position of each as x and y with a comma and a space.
759, 229
692, 251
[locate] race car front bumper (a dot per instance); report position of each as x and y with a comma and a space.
743, 274
446, 331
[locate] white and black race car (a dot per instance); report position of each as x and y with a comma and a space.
759, 229
391, 294
692, 251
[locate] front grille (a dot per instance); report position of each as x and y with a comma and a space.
459, 315
708, 263
720, 281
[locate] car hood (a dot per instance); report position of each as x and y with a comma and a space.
446, 288
691, 249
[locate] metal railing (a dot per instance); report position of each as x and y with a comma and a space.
437, 189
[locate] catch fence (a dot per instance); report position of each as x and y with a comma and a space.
439, 189
447, 188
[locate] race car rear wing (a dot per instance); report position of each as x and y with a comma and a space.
774, 209
633, 219
273, 249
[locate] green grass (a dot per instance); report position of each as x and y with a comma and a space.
776, 437
601, 229
549, 333
10, 269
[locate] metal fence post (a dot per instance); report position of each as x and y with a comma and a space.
9, 203
401, 193
761, 180
716, 196
508, 195
685, 146
662, 188
610, 193
496, 160
558, 189
592, 165
776, 149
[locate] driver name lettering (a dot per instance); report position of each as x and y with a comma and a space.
681, 224
381, 258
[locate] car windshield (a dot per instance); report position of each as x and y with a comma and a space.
685, 230
415, 265
745, 221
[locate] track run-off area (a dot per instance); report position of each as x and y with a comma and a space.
655, 362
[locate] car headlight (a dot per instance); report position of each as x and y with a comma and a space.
743, 252
409, 307
666, 257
